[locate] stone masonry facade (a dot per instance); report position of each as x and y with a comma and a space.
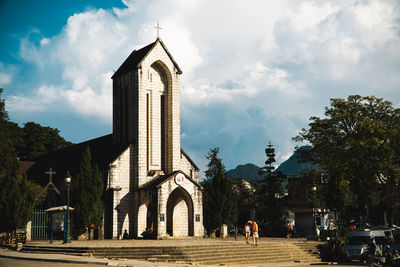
154, 184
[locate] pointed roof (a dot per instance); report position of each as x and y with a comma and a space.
157, 182
136, 57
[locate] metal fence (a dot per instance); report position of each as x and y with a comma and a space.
40, 224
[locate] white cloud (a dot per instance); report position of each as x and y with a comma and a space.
252, 72
6, 74
45, 98
5, 79
45, 41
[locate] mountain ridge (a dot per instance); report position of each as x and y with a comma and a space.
289, 167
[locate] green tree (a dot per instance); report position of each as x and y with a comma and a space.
17, 197
8, 158
97, 202
354, 143
219, 200
88, 190
37, 193
35, 140
9, 190
270, 210
390, 177
246, 193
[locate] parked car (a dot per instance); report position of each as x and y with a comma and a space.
356, 246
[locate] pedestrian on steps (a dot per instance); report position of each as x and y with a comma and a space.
288, 229
254, 230
247, 230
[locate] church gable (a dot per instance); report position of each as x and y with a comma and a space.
189, 167
159, 53
136, 58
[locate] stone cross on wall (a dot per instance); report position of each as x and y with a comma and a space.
50, 183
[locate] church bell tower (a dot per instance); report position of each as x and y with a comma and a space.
146, 110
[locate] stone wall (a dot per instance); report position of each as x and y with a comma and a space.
119, 181
188, 168
158, 76
192, 193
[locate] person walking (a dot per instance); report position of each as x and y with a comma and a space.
254, 230
288, 229
247, 230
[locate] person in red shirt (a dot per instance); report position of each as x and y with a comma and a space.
288, 229
254, 230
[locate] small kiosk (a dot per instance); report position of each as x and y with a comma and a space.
58, 217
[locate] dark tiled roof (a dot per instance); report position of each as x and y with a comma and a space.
134, 59
161, 179
102, 149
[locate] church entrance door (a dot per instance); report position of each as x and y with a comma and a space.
145, 220
180, 213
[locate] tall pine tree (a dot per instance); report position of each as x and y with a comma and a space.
219, 200
87, 195
270, 197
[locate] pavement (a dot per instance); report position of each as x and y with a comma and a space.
63, 258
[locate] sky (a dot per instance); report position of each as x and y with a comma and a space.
254, 71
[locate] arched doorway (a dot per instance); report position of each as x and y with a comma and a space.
145, 219
180, 213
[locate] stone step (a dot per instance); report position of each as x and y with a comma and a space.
193, 256
223, 257
204, 251
258, 258
54, 250
145, 254
262, 256
230, 254
236, 261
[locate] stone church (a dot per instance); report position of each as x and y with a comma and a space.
150, 182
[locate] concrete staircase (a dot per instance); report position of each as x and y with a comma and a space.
224, 254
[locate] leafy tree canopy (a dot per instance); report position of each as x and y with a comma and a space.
355, 143
18, 196
35, 140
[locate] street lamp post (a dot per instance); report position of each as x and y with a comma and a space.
67, 238
314, 189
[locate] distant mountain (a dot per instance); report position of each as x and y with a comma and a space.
248, 171
292, 166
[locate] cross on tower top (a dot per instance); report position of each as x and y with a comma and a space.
158, 29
